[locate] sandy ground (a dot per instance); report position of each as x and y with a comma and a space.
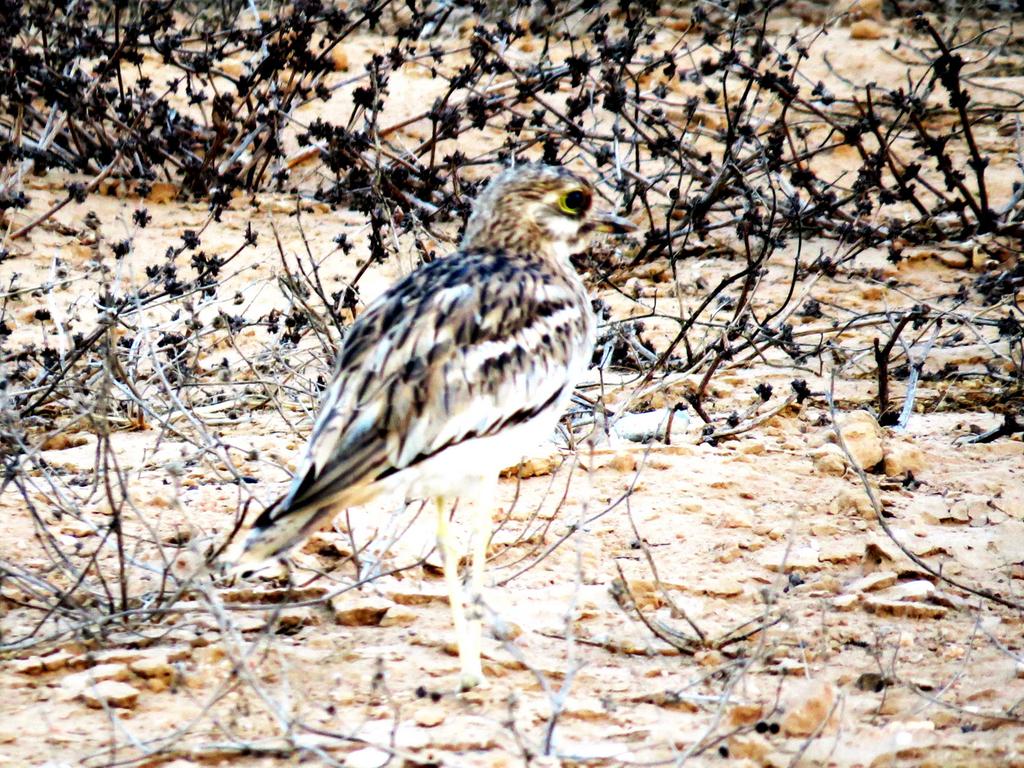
824, 643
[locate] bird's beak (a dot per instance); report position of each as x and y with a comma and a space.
612, 224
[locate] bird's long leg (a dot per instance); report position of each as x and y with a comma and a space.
469, 650
480, 532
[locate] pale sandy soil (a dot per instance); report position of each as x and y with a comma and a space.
862, 658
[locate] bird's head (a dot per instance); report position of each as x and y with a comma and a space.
538, 209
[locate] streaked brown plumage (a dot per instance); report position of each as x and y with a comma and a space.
454, 373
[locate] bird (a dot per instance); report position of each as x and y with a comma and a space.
455, 372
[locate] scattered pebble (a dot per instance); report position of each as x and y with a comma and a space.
429, 716
1009, 540
903, 457
162, 192
866, 29
534, 466
650, 426
36, 665
399, 616
863, 438
829, 460
867, 9
417, 592
872, 582
910, 610
368, 757
799, 558
749, 747
112, 693
63, 441
359, 611
846, 602
808, 705
915, 591
152, 666
328, 543
852, 501
934, 510
744, 714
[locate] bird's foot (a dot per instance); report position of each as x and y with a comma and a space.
471, 678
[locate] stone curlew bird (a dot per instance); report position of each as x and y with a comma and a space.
454, 373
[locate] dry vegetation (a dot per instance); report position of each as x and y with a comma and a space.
783, 523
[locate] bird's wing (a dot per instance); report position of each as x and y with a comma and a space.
459, 349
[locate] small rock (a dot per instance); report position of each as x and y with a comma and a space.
670, 699
749, 746
866, 29
872, 582
882, 607
979, 259
953, 259
586, 708
231, 67
368, 757
162, 192
328, 543
153, 666
399, 616
111, 693
745, 714
33, 665
129, 656
807, 11
867, 9
846, 602
56, 661
736, 517
1009, 540
429, 717
646, 594
720, 585
852, 501
623, 461
534, 466
709, 658
63, 441
863, 438
897, 701
80, 681
916, 591
803, 558
649, 426
809, 707
339, 59
879, 552
159, 499
971, 508
418, 593
840, 551
829, 460
359, 611
901, 458
933, 510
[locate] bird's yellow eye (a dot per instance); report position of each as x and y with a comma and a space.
575, 202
